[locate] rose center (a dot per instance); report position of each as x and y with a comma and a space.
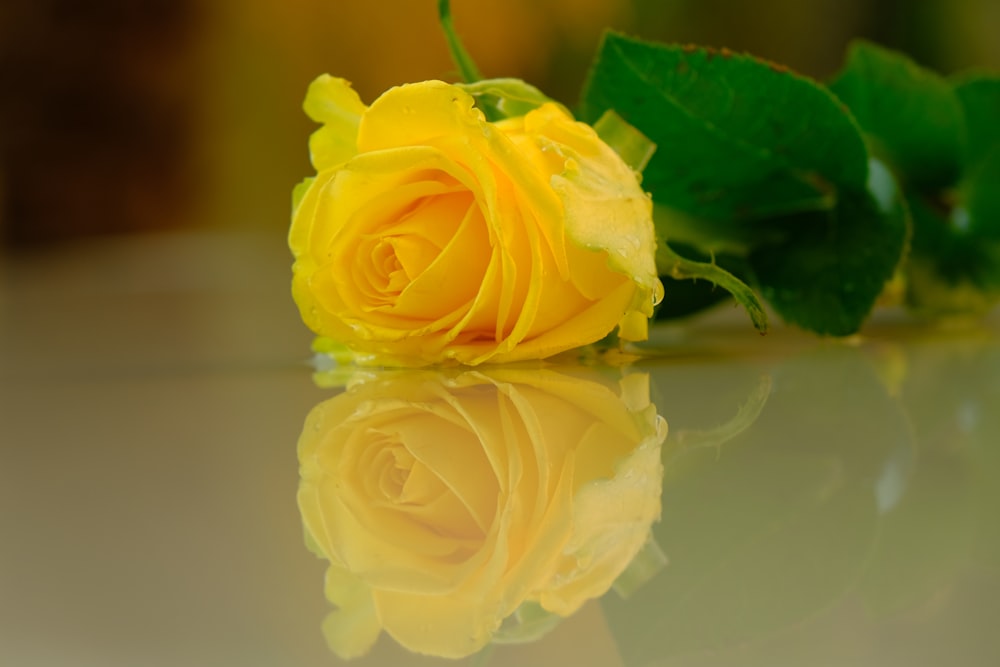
397, 260
404, 480
403, 251
407, 476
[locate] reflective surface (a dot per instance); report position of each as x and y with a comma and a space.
821, 502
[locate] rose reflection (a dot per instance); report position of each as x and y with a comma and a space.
446, 503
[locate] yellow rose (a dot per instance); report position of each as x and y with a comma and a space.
430, 234
444, 504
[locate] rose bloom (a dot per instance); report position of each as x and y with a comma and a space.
445, 504
430, 234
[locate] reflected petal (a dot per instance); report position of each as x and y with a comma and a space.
446, 502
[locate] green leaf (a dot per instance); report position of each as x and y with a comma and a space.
764, 166
980, 193
771, 528
955, 263
943, 139
827, 268
951, 269
980, 187
911, 113
738, 138
979, 95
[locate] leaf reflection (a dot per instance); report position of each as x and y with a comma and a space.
848, 508
776, 525
463, 508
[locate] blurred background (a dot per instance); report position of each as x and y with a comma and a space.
122, 116
152, 363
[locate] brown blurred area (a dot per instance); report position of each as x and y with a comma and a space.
96, 116
125, 116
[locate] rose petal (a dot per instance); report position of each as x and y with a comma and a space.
417, 115
353, 628
334, 103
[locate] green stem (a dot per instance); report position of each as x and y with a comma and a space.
669, 263
466, 66
745, 417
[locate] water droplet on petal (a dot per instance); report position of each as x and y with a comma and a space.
657, 292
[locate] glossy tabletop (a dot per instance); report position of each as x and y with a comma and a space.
715, 498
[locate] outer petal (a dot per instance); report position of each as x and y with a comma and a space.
418, 114
612, 520
352, 629
447, 626
606, 208
334, 103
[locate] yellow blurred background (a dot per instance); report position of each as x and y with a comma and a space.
130, 115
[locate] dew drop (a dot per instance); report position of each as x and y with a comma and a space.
657, 292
